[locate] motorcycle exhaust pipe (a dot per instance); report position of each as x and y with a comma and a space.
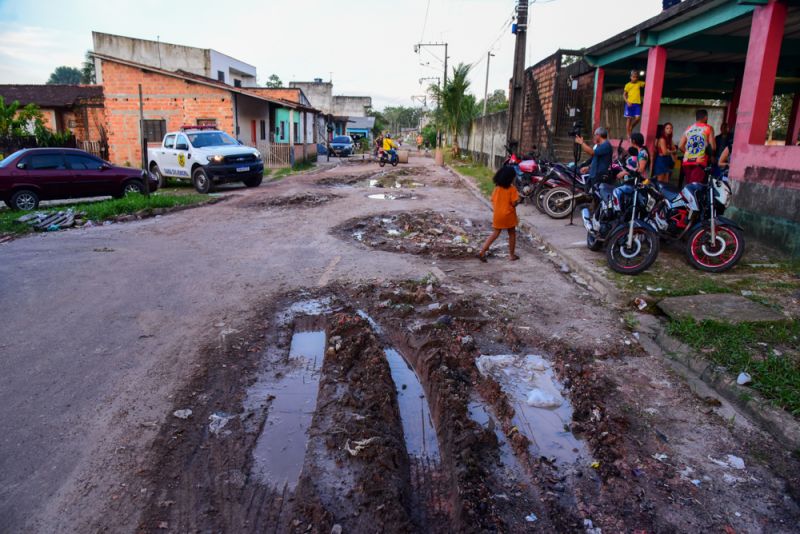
587, 222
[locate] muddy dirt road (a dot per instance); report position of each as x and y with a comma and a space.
373, 377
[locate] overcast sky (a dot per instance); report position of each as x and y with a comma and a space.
367, 45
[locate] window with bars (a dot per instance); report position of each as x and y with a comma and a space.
155, 130
207, 122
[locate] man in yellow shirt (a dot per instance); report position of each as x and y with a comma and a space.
389, 147
633, 101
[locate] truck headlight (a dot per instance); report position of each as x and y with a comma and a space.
216, 159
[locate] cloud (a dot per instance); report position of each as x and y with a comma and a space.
28, 54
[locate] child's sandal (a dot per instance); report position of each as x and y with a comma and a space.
513, 257
482, 257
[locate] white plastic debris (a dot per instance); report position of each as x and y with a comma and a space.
734, 461
543, 399
182, 414
653, 289
590, 528
744, 378
661, 457
217, 422
359, 445
531, 518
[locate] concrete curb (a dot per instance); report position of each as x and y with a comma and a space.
775, 421
657, 342
585, 277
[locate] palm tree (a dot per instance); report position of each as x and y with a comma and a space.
456, 106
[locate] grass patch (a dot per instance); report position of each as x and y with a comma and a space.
480, 174
105, 209
751, 347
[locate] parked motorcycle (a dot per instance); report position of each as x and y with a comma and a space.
528, 173
713, 243
384, 157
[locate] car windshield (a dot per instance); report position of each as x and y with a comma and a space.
204, 139
341, 139
11, 157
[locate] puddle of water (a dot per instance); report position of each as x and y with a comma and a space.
415, 414
280, 450
479, 413
388, 196
418, 429
542, 414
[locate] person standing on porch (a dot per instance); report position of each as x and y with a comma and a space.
633, 101
665, 153
697, 144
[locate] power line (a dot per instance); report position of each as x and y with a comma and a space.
425, 22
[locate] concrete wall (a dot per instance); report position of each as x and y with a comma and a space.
319, 94
233, 69
163, 55
494, 127
351, 106
172, 57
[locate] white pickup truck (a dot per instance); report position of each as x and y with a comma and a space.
206, 157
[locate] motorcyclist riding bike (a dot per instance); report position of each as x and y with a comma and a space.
389, 146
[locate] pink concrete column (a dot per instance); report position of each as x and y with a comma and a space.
794, 121
760, 69
730, 114
656, 66
597, 103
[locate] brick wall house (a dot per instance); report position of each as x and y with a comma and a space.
172, 99
74, 108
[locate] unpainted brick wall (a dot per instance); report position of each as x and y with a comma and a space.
177, 101
537, 108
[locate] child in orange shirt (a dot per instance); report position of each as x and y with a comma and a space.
504, 202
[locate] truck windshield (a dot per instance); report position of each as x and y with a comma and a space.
204, 139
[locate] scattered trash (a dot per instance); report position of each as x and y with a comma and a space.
661, 457
654, 289
49, 221
564, 268
337, 529
730, 461
595, 465
640, 303
744, 378
747, 293
531, 518
590, 528
218, 422
359, 445
696, 482
182, 414
730, 479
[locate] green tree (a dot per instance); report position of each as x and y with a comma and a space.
779, 115
88, 74
457, 108
274, 81
17, 120
495, 102
65, 75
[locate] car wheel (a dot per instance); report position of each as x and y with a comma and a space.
25, 200
253, 181
162, 181
201, 181
133, 186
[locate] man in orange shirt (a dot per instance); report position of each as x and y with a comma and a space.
696, 144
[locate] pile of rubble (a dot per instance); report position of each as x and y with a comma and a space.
418, 232
49, 221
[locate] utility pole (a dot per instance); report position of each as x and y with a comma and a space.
417, 48
485, 98
514, 133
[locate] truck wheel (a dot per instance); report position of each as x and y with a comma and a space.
162, 181
24, 199
201, 181
253, 181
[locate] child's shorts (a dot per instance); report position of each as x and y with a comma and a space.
633, 110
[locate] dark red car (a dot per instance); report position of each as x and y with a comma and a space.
33, 174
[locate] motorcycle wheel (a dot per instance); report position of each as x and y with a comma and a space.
557, 202
703, 255
639, 257
538, 197
382, 163
394, 163
592, 242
